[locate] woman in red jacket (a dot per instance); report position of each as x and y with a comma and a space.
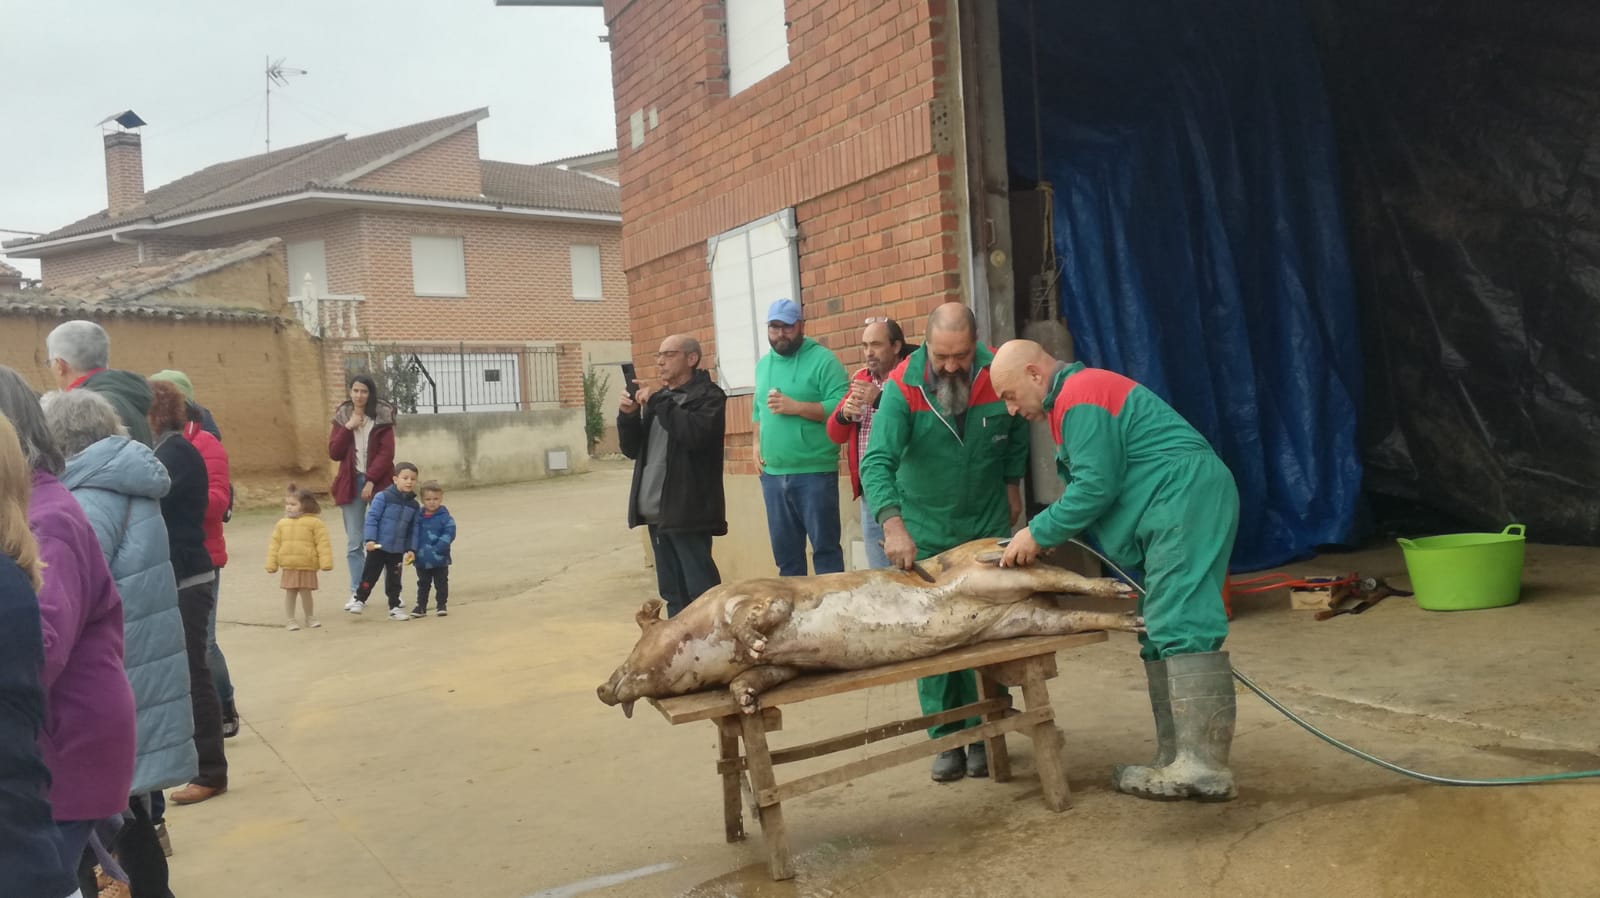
362, 442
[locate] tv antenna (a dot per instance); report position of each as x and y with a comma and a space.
277, 74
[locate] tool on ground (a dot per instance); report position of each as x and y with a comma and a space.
1366, 592
1387, 765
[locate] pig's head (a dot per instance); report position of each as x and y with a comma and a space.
645, 673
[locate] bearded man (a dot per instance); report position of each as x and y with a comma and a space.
944, 466
796, 383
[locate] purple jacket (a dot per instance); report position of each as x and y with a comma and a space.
88, 739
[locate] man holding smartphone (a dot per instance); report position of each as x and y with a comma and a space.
672, 428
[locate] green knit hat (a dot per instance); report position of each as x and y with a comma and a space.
177, 379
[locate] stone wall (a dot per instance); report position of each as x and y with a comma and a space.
485, 448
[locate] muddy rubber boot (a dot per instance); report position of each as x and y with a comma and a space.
1201, 707
949, 766
1155, 673
978, 760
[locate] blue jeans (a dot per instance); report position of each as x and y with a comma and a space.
872, 533
214, 656
801, 506
355, 522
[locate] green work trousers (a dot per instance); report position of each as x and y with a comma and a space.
941, 692
1187, 534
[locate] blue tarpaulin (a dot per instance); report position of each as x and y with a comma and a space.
1200, 237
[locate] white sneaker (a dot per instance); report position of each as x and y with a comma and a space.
293, 625
399, 614
313, 623
350, 605
356, 607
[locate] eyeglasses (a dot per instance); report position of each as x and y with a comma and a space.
668, 353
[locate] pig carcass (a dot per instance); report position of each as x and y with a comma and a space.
755, 634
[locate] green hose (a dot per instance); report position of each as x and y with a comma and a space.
1373, 759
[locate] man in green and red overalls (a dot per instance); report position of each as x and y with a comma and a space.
944, 466
1145, 485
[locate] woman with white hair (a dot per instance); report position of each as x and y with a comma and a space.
119, 483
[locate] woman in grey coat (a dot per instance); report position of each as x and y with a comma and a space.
119, 483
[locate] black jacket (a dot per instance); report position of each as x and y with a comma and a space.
184, 506
691, 494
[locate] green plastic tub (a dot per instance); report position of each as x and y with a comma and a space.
1466, 571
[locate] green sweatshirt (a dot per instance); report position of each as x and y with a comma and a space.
949, 488
789, 443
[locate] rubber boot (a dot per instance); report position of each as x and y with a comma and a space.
978, 760
949, 766
1155, 674
1201, 708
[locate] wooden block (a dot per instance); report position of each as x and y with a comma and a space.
1047, 749
999, 759
770, 813
728, 750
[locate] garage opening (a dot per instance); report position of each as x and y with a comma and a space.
1355, 242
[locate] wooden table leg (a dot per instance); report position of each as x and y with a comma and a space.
728, 750
759, 760
1047, 749
999, 759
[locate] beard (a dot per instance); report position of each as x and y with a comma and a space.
953, 392
785, 346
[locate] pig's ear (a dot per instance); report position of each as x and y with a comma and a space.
650, 614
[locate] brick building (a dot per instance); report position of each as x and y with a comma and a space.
809, 148
502, 278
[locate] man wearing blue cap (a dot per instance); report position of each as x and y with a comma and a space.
797, 383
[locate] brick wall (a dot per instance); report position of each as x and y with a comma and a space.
850, 133
449, 167
519, 281
105, 256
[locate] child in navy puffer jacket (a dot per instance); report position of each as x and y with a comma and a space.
431, 541
390, 533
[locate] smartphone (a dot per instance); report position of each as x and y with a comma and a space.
630, 384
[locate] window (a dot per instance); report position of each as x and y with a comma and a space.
750, 267
586, 272
308, 257
438, 266
758, 41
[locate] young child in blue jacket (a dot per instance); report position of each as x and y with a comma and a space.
436, 530
390, 533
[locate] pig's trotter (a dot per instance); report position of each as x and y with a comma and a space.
748, 686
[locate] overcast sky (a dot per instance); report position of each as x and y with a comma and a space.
194, 71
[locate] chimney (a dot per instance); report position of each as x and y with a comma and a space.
124, 172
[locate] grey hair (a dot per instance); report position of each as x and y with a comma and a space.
20, 403
79, 419
691, 345
83, 345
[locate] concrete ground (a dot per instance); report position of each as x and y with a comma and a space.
469, 757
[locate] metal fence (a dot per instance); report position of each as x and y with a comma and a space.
435, 381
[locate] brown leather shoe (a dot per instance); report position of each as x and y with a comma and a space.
194, 793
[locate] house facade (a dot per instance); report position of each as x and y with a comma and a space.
501, 280
815, 149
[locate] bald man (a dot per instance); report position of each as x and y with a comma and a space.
944, 466
1148, 488
672, 429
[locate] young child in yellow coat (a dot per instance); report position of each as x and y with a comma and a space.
300, 547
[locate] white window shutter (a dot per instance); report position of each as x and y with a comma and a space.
586, 272
732, 314
308, 257
758, 41
751, 266
438, 266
